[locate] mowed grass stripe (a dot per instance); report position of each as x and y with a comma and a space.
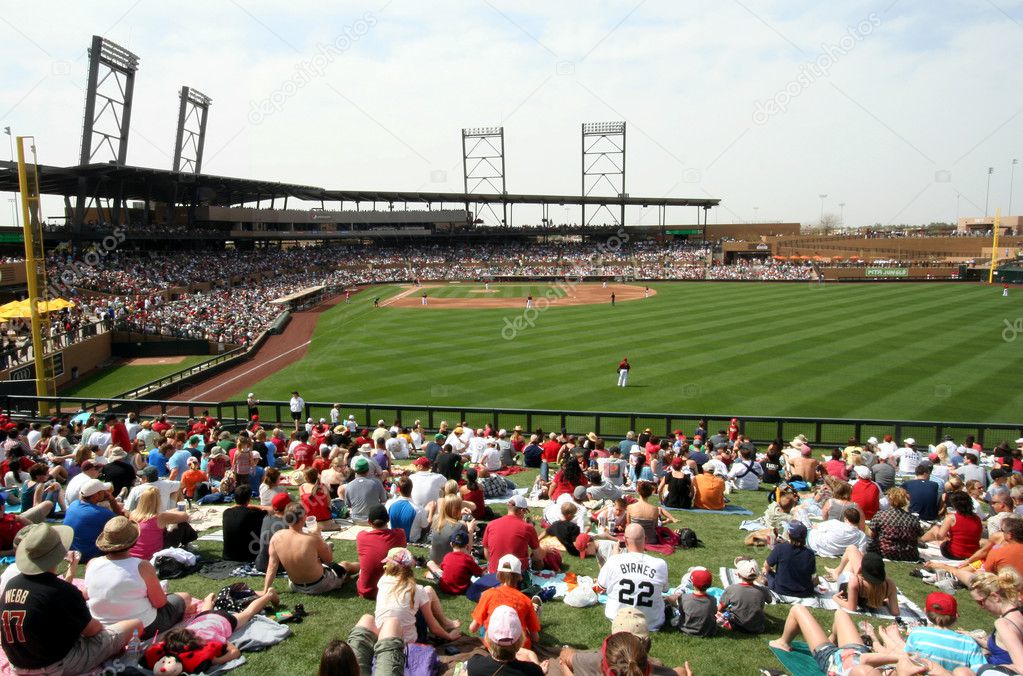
780, 349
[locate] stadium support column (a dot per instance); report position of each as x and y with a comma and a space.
108, 103
191, 133
483, 169
603, 168
35, 272
994, 245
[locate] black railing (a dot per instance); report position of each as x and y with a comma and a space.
826, 432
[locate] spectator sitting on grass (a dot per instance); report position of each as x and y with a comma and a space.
369, 650
624, 651
509, 574
745, 600
566, 530
400, 598
697, 610
456, 571
791, 568
505, 641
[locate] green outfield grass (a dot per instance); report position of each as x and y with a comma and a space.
332, 616
110, 382
909, 351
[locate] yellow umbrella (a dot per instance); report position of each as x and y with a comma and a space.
20, 309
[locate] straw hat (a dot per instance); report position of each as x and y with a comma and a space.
118, 535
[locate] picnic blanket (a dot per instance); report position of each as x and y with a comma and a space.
798, 662
734, 510
208, 517
505, 498
508, 471
909, 611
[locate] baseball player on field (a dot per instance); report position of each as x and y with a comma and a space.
623, 372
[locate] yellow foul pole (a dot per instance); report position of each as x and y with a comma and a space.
994, 246
35, 269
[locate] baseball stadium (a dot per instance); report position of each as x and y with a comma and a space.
273, 427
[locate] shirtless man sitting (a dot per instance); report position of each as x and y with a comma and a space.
307, 558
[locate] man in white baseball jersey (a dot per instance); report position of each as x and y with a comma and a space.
635, 579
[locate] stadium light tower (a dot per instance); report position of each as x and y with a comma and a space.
841, 213
823, 197
603, 165
191, 134
483, 167
108, 99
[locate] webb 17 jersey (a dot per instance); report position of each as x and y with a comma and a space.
637, 580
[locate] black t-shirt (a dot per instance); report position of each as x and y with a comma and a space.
242, 526
448, 465
42, 617
566, 532
260, 447
485, 665
119, 473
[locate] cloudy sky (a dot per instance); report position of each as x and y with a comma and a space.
895, 108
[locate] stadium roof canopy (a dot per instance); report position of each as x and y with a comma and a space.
122, 182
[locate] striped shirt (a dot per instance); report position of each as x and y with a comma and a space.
948, 648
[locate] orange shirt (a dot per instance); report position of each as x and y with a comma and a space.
1005, 554
513, 598
710, 492
189, 479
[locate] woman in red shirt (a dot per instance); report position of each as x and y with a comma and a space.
961, 530
836, 466
567, 478
316, 499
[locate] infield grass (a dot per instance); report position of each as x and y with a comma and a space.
907, 351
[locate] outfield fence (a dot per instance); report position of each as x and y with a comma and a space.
612, 425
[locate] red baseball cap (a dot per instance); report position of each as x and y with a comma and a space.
701, 578
422, 462
280, 501
942, 604
581, 542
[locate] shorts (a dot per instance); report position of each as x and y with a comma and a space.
296, 415
389, 653
172, 612
836, 661
85, 656
334, 576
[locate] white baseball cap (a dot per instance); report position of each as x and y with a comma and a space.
1019, 441
509, 563
872, 440
94, 486
252, 394
909, 441
518, 502
862, 471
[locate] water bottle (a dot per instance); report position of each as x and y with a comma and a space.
133, 651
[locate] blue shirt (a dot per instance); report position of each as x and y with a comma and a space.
923, 498
948, 648
794, 568
178, 461
87, 520
271, 453
157, 460
403, 515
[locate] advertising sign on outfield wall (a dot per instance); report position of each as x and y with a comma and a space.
887, 272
